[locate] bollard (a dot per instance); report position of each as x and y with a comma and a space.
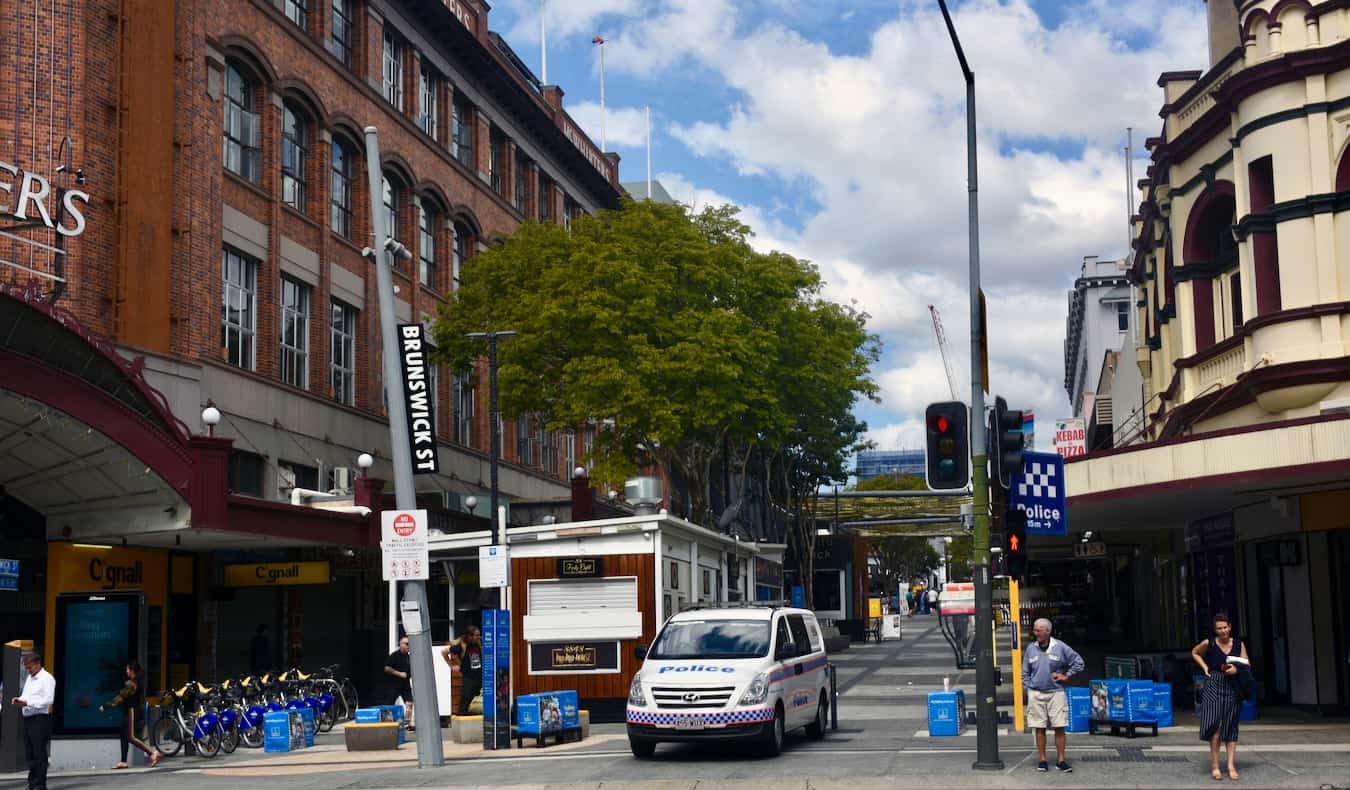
834, 698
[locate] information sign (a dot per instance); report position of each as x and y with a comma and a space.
403, 545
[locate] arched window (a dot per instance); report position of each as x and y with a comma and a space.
427, 220
1210, 247
242, 149
340, 200
294, 147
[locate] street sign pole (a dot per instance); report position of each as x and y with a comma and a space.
430, 752
986, 712
1015, 612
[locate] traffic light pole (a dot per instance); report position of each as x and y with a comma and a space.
986, 712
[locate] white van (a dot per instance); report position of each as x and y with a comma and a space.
737, 673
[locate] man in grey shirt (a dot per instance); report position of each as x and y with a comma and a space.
1046, 664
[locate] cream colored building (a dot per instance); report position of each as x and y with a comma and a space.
1237, 494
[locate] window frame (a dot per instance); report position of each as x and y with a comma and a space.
294, 356
460, 250
295, 134
243, 290
429, 84
340, 31
342, 334
427, 220
497, 149
521, 197
241, 139
465, 394
340, 190
462, 130
394, 52
298, 12
1122, 316
389, 201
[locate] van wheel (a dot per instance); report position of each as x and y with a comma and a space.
642, 749
772, 745
816, 729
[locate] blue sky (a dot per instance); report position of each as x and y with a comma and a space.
838, 127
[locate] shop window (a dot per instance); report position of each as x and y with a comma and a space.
245, 473
238, 319
294, 333
393, 69
242, 126
340, 200
298, 12
294, 144
340, 36
342, 352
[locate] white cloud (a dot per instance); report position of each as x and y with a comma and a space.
624, 126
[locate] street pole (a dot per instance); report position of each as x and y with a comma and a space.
986, 712
494, 435
430, 752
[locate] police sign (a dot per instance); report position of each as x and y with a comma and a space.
1039, 492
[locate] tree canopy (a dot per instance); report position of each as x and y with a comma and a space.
685, 343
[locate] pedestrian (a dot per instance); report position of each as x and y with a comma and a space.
931, 601
1220, 702
909, 601
131, 699
465, 657
259, 652
39, 689
399, 667
1046, 664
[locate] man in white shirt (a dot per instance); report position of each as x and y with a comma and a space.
39, 690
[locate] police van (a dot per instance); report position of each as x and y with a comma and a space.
744, 673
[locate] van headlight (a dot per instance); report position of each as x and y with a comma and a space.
635, 694
758, 689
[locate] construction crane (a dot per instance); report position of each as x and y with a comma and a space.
942, 347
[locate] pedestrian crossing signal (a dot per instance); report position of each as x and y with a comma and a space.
1015, 542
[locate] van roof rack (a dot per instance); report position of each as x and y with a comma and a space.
779, 604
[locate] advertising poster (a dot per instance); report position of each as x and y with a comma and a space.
97, 637
496, 679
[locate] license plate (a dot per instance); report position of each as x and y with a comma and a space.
689, 724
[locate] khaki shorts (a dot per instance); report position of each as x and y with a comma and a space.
1047, 709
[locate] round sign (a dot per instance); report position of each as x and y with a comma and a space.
404, 525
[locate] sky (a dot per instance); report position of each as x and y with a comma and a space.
839, 129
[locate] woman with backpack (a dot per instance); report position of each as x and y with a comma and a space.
1228, 682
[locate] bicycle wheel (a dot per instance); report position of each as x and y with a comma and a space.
350, 699
208, 746
327, 719
167, 737
230, 740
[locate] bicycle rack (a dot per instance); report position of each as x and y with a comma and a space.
956, 617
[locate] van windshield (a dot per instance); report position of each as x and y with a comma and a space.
712, 639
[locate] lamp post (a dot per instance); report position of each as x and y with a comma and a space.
986, 711
494, 435
210, 417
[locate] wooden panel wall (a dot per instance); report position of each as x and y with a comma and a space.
587, 686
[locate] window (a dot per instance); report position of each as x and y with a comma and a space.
294, 142
522, 193
800, 637
545, 202
391, 201
238, 321
464, 404
342, 352
434, 389
426, 228
393, 70
340, 202
524, 441
1264, 244
707, 582
1235, 287
241, 155
340, 40
674, 581
588, 447
548, 449
294, 333
570, 448
497, 160
428, 106
461, 131
298, 12
245, 473
1122, 316
463, 240
571, 210
291, 475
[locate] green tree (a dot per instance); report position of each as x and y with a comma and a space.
901, 558
690, 345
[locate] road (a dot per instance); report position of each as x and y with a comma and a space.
882, 741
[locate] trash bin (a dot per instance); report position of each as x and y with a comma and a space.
1162, 703
1080, 708
946, 712
1248, 711
1110, 699
1139, 700
307, 724
283, 731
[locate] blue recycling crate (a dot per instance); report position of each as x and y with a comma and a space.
283, 731
383, 713
1110, 699
946, 712
1162, 704
307, 724
1080, 708
547, 713
1248, 711
1139, 696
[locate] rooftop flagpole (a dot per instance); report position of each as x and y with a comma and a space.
543, 47
600, 41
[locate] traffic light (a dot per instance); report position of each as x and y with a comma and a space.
1015, 542
947, 426
1006, 442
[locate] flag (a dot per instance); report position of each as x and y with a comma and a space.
598, 40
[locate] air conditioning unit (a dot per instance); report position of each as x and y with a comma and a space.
342, 480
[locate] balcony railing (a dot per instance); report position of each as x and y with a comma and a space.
1219, 370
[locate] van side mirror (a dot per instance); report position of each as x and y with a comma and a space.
786, 650
640, 652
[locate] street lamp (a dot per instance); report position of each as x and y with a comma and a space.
365, 461
494, 452
210, 417
471, 502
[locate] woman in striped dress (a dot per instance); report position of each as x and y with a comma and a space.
1219, 703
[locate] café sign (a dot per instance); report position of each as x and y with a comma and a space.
580, 567
555, 658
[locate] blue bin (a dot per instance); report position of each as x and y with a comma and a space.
1140, 697
946, 712
1080, 708
1110, 699
283, 731
307, 724
378, 713
1248, 711
1162, 704
547, 713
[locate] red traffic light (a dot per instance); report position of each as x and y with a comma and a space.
939, 423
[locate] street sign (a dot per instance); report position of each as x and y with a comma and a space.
494, 567
1039, 492
9, 567
403, 543
1089, 551
1070, 438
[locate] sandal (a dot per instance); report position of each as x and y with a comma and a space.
1216, 775
119, 766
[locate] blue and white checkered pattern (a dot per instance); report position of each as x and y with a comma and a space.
723, 719
1039, 481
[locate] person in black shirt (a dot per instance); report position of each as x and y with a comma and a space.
399, 667
465, 657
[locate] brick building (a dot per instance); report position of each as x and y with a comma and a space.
184, 202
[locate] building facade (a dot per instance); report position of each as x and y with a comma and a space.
186, 205
1236, 499
874, 463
